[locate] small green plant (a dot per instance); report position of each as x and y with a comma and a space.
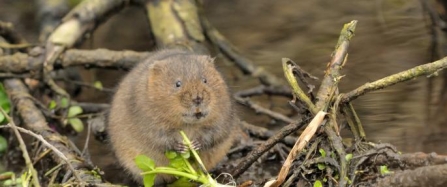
5, 104
318, 183
179, 166
72, 115
98, 85
74, 121
384, 170
11, 180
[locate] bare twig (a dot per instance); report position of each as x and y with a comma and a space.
426, 69
264, 133
21, 63
25, 154
50, 14
288, 66
423, 176
54, 149
176, 24
262, 110
244, 64
302, 141
82, 19
256, 153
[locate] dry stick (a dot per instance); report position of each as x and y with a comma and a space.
264, 147
176, 23
288, 66
22, 63
266, 90
424, 176
25, 154
246, 65
82, 19
358, 123
264, 133
426, 69
328, 88
262, 110
288, 72
33, 118
302, 141
242, 98
28, 111
49, 15
413, 160
41, 139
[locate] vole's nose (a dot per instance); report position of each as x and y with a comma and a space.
198, 100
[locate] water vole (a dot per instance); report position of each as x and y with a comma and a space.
172, 90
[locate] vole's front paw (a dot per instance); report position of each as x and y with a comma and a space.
182, 148
196, 145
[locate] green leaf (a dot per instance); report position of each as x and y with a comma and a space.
144, 163
178, 163
321, 166
348, 180
318, 183
74, 110
6, 107
98, 85
76, 123
348, 157
3, 144
149, 180
322, 152
2, 117
5, 104
64, 102
52, 104
171, 154
384, 170
186, 155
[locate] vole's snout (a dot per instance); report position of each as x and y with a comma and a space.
197, 100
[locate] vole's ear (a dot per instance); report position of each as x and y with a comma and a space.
207, 58
155, 68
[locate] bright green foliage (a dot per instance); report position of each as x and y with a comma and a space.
74, 110
64, 102
321, 166
179, 166
98, 85
75, 122
318, 183
4, 103
52, 104
384, 170
322, 152
348, 157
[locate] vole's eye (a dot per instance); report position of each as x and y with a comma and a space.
178, 84
204, 80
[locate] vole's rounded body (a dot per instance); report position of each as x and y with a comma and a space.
172, 90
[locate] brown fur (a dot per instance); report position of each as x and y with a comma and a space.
148, 110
